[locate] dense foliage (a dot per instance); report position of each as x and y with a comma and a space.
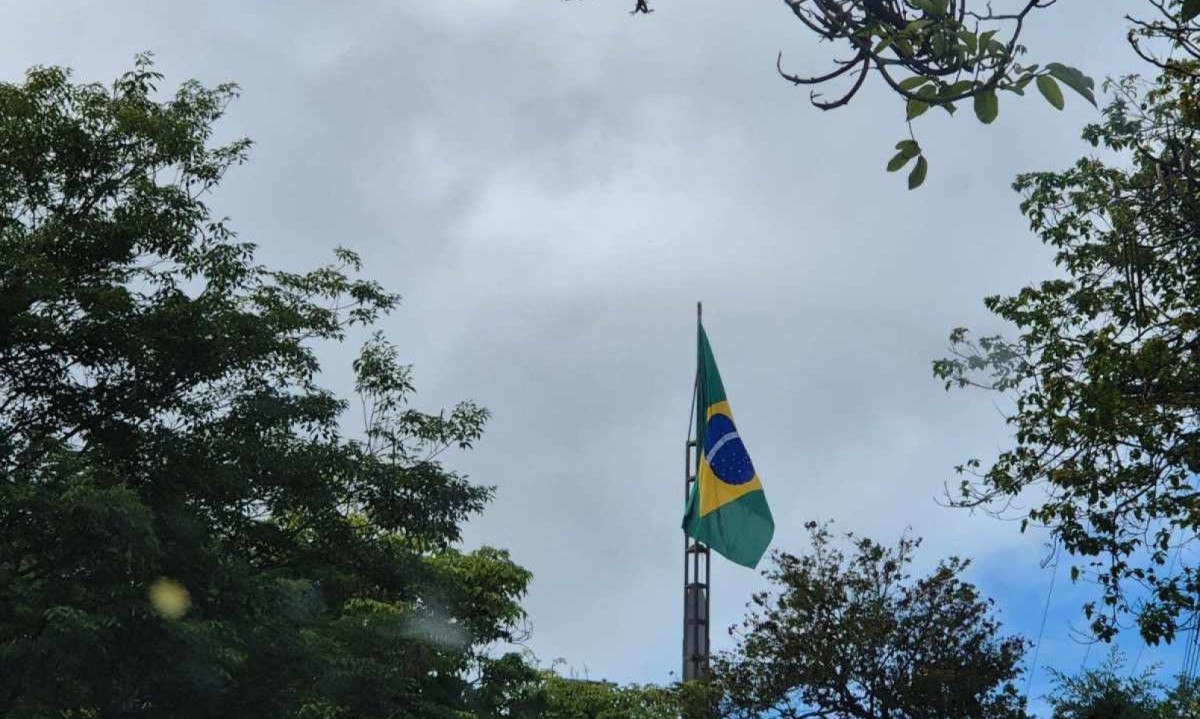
855, 636
187, 529
572, 698
1109, 692
1103, 372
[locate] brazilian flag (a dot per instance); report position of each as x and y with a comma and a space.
727, 509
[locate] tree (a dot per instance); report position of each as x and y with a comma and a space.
855, 636
1183, 700
549, 694
187, 530
572, 698
1105, 693
1108, 692
1102, 374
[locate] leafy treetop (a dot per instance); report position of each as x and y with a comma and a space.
1103, 373
853, 635
163, 434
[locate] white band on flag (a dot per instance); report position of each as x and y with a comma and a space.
721, 443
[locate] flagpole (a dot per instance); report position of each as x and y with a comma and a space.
696, 564
707, 555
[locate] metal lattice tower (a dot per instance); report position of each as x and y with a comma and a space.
695, 584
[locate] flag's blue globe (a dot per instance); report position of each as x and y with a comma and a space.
725, 452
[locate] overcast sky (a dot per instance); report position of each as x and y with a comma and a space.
553, 185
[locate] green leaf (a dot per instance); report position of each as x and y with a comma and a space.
908, 148
1050, 90
970, 40
917, 177
1075, 79
912, 83
1019, 88
916, 108
940, 44
987, 107
1191, 8
926, 5
898, 160
958, 88
986, 43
